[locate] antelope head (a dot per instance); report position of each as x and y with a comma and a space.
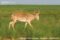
36, 13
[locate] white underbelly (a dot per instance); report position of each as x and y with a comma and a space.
22, 19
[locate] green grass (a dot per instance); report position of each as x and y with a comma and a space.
47, 26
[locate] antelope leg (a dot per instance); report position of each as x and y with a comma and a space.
10, 24
30, 24
13, 25
25, 24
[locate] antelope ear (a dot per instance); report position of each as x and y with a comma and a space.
37, 10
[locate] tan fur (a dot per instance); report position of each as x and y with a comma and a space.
23, 17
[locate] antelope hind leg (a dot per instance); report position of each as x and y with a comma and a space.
10, 24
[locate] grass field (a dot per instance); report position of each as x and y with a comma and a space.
48, 25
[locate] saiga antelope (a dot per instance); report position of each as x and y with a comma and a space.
23, 17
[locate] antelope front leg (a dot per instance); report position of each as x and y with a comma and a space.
30, 24
25, 24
